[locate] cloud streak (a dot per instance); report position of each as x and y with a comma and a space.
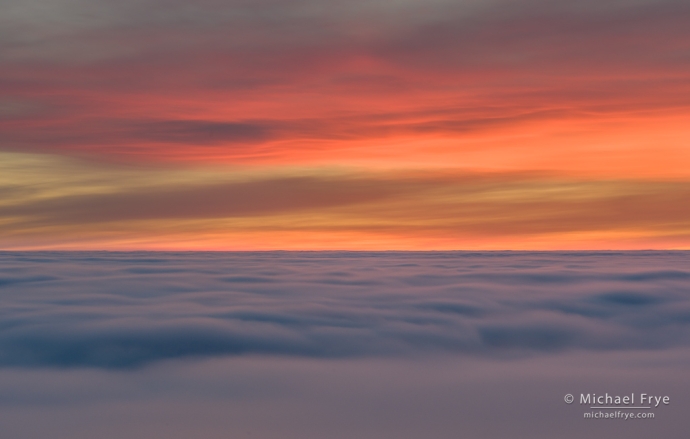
293, 81
446, 205
344, 125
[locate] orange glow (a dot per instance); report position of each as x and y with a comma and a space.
374, 131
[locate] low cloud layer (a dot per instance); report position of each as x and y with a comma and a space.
125, 310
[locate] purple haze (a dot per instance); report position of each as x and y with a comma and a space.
339, 345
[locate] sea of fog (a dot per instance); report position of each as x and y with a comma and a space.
342, 345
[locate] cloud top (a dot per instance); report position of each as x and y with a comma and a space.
124, 310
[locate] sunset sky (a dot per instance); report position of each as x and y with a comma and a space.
361, 125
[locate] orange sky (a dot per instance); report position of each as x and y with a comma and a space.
345, 125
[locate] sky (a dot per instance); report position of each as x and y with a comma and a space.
360, 125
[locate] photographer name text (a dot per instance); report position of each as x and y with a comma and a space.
624, 400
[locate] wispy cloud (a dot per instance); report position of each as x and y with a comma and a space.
163, 80
550, 122
446, 205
